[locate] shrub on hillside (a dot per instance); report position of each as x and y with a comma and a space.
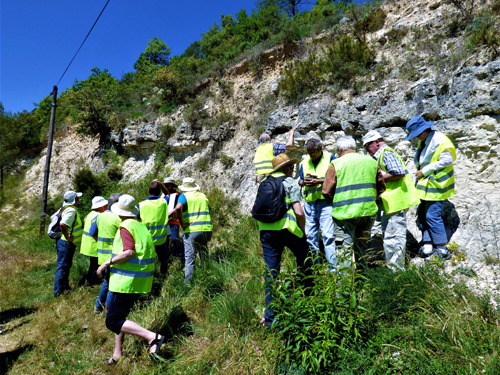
320, 325
346, 59
167, 79
483, 32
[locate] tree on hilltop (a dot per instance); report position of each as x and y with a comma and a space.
156, 54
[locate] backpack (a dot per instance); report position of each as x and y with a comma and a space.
54, 229
270, 205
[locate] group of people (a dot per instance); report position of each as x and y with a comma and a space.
121, 238
353, 199
349, 197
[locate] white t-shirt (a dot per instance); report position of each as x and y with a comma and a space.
68, 216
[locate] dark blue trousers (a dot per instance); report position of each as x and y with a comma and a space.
273, 242
65, 251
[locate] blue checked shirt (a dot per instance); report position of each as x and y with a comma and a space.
391, 162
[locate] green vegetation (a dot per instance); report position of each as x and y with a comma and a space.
376, 322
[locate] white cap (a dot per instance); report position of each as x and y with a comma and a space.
371, 136
98, 202
70, 197
125, 206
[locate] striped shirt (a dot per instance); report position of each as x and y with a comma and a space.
391, 161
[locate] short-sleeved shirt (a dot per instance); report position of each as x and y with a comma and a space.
68, 216
292, 189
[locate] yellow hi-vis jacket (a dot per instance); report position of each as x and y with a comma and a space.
107, 225
289, 221
313, 193
263, 160
400, 194
439, 185
136, 274
154, 215
197, 215
76, 230
89, 245
356, 188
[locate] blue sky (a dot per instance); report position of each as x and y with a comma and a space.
39, 38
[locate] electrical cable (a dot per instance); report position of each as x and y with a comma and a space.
83, 42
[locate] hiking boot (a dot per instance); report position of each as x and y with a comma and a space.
445, 255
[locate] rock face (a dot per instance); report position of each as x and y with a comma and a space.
466, 109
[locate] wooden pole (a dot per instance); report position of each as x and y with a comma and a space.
43, 214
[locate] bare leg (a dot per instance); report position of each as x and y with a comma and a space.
133, 328
118, 346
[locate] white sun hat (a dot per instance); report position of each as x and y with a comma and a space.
371, 136
189, 184
125, 206
98, 202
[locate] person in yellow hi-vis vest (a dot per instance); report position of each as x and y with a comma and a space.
352, 183
89, 244
131, 274
435, 183
318, 211
154, 214
72, 230
400, 195
265, 153
197, 225
287, 231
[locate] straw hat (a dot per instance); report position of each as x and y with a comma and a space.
281, 160
125, 206
189, 184
98, 202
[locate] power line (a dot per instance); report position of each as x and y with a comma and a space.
83, 42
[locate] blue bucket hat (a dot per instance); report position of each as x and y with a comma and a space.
416, 126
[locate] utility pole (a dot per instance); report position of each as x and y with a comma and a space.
43, 215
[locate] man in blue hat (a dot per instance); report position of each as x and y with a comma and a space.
435, 183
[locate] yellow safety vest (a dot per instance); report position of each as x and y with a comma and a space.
154, 215
107, 225
289, 221
89, 245
313, 193
76, 230
356, 187
439, 185
197, 214
136, 274
263, 160
400, 194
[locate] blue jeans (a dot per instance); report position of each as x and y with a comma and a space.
177, 242
65, 251
319, 215
273, 242
431, 222
104, 296
195, 242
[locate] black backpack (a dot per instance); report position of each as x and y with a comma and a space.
270, 205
